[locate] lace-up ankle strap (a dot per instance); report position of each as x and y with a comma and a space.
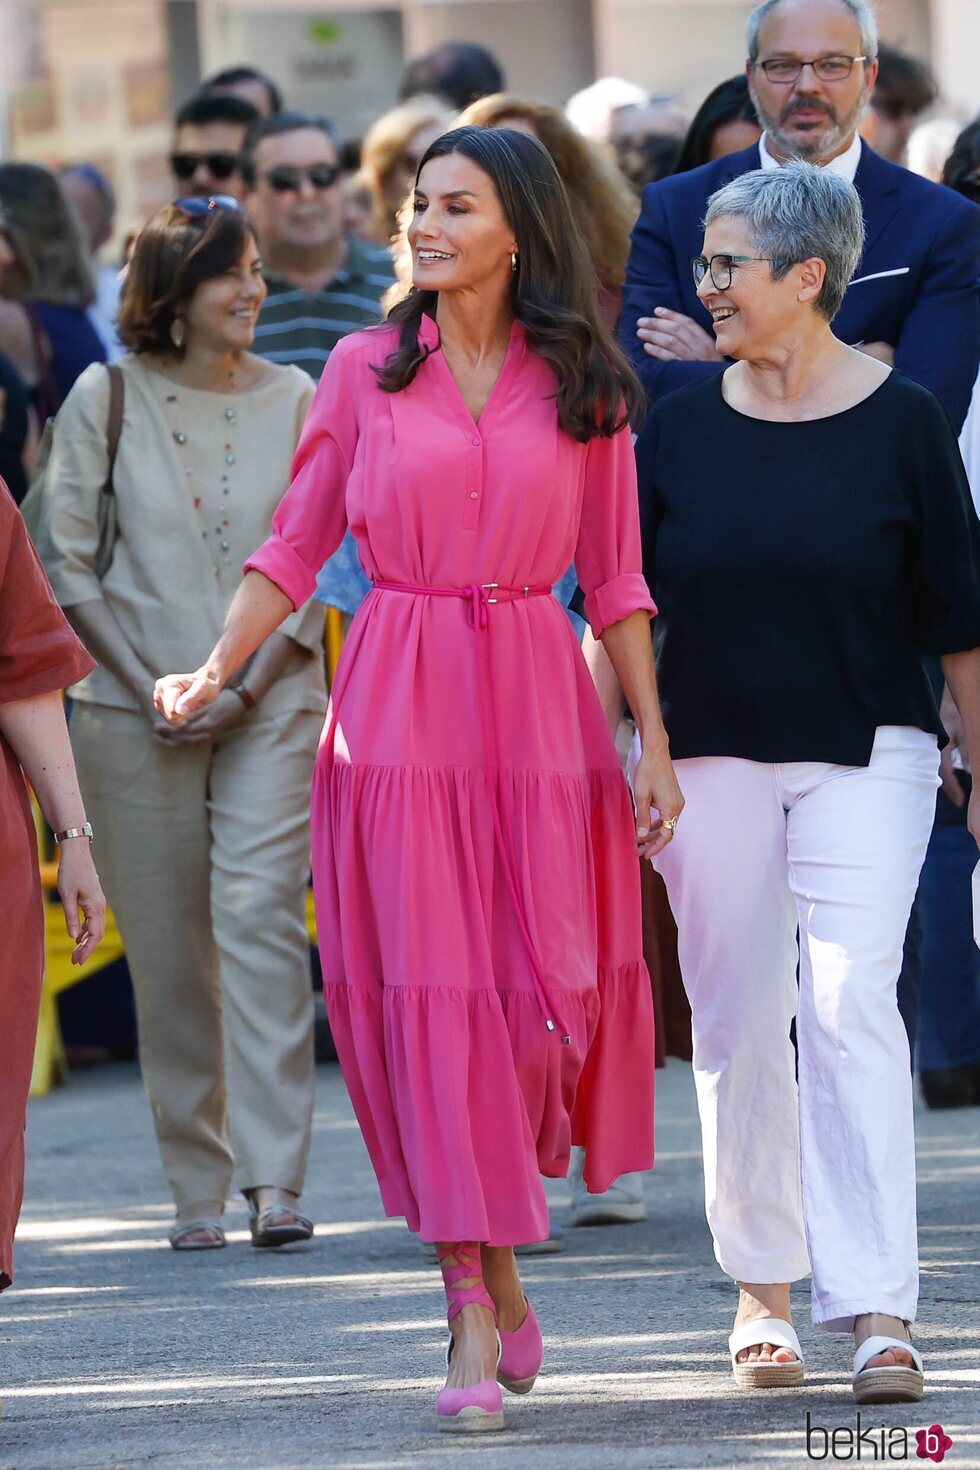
462, 1272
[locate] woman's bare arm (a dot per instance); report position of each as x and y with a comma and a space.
962, 673
36, 731
256, 611
654, 783
606, 682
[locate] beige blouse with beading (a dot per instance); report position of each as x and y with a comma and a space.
198, 476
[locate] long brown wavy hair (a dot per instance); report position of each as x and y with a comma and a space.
554, 291
605, 206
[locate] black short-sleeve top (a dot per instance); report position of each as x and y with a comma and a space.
802, 569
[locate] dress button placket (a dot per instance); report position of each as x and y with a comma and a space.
474, 483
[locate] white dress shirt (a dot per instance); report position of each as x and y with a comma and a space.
845, 164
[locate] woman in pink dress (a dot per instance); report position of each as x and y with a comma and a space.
474, 849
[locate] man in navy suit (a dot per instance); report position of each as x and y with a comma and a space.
914, 298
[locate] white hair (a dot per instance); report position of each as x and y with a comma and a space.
591, 110
794, 213
861, 12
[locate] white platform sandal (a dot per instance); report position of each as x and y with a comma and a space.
766, 1375
896, 1385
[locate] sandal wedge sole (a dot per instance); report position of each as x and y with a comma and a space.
517, 1385
472, 1420
768, 1375
888, 1386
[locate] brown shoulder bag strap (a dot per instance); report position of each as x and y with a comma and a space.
117, 402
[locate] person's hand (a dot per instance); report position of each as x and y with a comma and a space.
224, 714
672, 337
953, 723
655, 789
178, 696
81, 897
882, 351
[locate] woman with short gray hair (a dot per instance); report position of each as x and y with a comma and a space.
820, 538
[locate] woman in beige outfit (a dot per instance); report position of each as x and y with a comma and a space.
203, 832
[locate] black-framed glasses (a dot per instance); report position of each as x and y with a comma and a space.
219, 165
197, 207
284, 177
828, 68
720, 267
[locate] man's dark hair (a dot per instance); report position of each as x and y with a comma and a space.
282, 122
215, 107
962, 170
729, 102
96, 180
460, 71
232, 74
905, 84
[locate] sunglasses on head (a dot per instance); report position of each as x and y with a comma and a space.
218, 165
198, 208
283, 178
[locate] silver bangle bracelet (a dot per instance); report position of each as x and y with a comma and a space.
84, 831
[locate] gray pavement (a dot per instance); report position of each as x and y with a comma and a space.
118, 1353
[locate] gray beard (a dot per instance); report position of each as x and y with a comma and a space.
820, 149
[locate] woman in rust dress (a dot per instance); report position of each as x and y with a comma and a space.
39, 656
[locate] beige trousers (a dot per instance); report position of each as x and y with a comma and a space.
204, 856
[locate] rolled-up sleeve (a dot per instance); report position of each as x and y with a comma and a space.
607, 557
311, 518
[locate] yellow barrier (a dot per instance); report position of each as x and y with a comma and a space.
333, 640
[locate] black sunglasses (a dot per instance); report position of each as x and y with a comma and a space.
283, 178
198, 208
219, 165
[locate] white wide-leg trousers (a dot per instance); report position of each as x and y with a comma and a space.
817, 1176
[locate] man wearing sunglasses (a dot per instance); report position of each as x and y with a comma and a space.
209, 132
322, 282
812, 67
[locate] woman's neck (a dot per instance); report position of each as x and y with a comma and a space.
474, 324
794, 373
207, 369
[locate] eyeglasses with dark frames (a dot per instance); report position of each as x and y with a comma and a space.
720, 268
219, 165
197, 207
787, 69
284, 177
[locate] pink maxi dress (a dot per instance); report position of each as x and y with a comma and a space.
474, 863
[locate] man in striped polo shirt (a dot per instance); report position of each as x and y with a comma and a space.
323, 283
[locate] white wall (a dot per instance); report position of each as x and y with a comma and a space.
680, 47
956, 52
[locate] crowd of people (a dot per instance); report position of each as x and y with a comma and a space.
403, 378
